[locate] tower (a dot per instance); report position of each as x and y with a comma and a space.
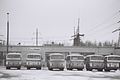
7, 33
77, 36
118, 36
37, 37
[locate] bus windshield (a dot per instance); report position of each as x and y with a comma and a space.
113, 58
34, 56
77, 58
97, 58
13, 56
57, 57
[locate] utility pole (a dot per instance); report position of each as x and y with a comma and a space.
37, 37
7, 33
119, 34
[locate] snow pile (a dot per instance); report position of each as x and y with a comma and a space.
60, 75
1, 74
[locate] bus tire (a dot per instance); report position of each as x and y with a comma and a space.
50, 69
28, 68
39, 68
7, 67
107, 70
100, 69
87, 69
70, 69
18, 68
61, 69
79, 69
90, 69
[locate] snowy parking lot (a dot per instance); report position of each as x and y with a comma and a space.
45, 74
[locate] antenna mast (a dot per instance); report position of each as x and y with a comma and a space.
7, 33
37, 37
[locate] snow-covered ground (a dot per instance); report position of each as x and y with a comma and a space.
56, 75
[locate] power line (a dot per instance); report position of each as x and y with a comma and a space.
101, 29
107, 20
119, 34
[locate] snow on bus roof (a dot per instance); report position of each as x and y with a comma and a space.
93, 55
33, 54
56, 54
14, 53
112, 56
75, 55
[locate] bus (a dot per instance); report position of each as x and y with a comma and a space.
33, 60
56, 61
112, 62
75, 61
94, 62
13, 60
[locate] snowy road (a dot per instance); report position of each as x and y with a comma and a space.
56, 75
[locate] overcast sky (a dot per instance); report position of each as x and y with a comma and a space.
56, 19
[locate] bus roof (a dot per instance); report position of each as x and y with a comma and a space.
112, 56
14, 54
94, 55
74, 55
55, 54
33, 54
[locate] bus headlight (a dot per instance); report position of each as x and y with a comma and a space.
27, 63
7, 62
108, 65
90, 64
51, 64
117, 64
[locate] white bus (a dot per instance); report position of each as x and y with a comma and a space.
94, 62
13, 60
75, 61
112, 62
56, 61
33, 60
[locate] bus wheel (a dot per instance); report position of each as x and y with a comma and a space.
106, 70
70, 69
90, 69
28, 68
7, 67
87, 69
79, 69
39, 68
18, 68
100, 69
61, 69
50, 69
